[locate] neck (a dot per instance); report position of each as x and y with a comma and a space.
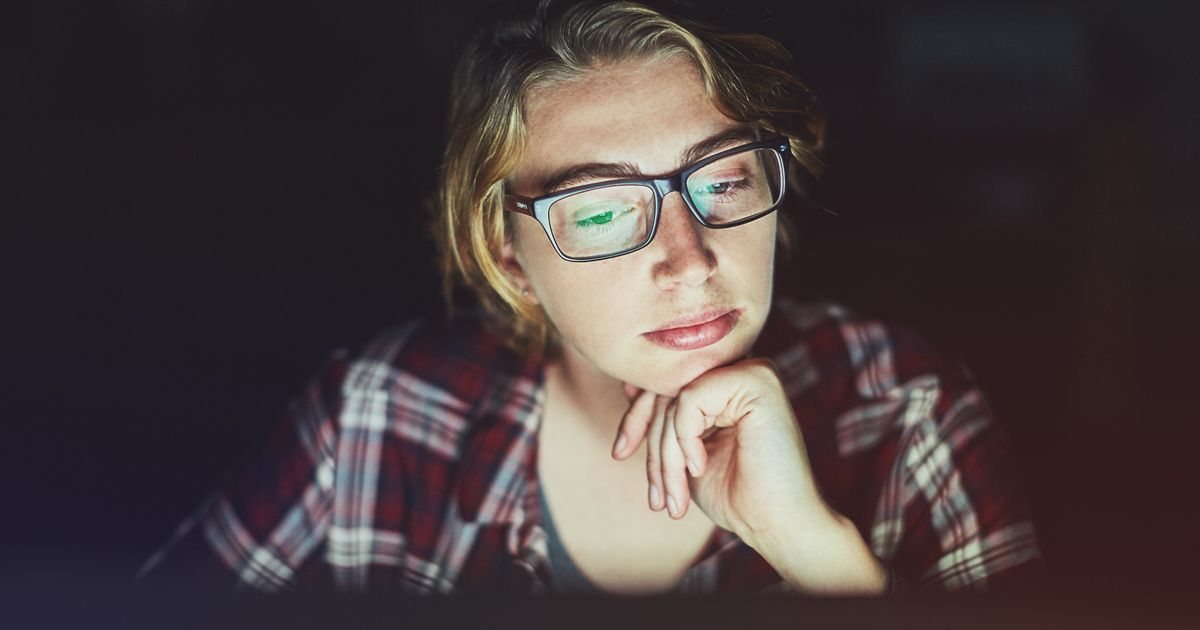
594, 397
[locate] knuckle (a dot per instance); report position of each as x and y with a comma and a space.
766, 367
760, 370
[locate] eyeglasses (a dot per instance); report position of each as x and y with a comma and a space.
616, 217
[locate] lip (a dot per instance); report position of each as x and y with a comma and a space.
693, 332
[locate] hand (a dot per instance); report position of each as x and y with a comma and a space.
734, 430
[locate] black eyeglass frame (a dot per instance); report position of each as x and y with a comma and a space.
539, 207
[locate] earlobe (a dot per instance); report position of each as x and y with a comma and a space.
513, 269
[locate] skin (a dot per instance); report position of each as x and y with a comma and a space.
711, 411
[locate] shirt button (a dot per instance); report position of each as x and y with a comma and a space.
325, 475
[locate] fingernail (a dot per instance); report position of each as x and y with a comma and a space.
653, 497
620, 447
692, 468
671, 505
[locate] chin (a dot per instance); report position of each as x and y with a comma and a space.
672, 376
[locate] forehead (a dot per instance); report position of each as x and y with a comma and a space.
646, 113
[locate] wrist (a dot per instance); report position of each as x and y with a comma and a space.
823, 555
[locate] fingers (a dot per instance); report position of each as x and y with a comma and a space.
654, 439
691, 425
674, 472
666, 466
633, 425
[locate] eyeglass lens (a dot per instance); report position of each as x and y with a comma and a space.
614, 219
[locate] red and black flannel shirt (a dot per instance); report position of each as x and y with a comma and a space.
414, 466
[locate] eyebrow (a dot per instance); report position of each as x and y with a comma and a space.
728, 138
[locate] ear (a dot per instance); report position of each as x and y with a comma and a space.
513, 269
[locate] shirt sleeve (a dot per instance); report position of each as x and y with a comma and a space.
966, 522
264, 527
951, 513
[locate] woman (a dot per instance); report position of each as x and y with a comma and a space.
609, 193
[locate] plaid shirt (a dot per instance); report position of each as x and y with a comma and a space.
414, 466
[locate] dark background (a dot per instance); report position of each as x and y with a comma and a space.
200, 199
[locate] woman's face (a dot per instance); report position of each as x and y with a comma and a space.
694, 298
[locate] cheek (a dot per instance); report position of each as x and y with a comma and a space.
749, 251
769, 241
585, 301
581, 299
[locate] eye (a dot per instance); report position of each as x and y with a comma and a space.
596, 219
718, 188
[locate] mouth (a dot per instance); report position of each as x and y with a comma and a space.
695, 331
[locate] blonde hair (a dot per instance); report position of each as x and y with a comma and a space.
525, 45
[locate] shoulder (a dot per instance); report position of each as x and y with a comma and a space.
864, 388
429, 379
458, 355
826, 349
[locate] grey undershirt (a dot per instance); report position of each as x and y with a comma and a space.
565, 575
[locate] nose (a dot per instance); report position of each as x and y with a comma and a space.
685, 256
